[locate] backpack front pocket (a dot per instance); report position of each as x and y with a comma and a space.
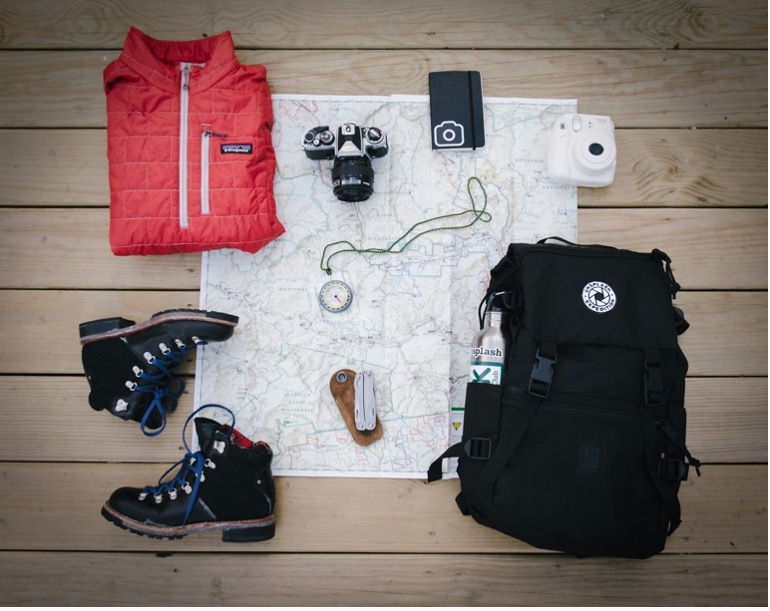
576, 496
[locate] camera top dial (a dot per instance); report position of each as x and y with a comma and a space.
319, 143
374, 135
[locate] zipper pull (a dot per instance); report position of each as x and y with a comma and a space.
211, 134
185, 76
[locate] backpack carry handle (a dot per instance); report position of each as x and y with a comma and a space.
568, 243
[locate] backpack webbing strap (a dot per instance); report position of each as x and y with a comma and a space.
667, 493
654, 401
474, 493
434, 471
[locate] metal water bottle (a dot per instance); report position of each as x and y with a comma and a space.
490, 344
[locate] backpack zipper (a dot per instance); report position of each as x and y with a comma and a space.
585, 412
580, 409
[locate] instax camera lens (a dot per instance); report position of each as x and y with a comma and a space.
596, 149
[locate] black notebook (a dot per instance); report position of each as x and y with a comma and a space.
456, 110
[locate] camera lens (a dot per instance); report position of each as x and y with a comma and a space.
352, 178
595, 149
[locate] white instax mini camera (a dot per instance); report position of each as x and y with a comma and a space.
582, 151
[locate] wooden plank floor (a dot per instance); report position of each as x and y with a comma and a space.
686, 84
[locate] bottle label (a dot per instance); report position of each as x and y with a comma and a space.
486, 373
481, 351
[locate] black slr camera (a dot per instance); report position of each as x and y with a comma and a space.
352, 150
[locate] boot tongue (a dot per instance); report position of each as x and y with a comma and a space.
206, 429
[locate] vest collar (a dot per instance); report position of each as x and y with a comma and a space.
158, 61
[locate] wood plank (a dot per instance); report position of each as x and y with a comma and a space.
693, 168
728, 332
40, 332
724, 511
727, 423
637, 88
380, 580
703, 244
356, 24
656, 168
722, 249
70, 249
727, 419
54, 168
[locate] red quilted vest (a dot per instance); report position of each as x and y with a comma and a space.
190, 152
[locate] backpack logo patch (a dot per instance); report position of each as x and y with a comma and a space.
599, 297
591, 459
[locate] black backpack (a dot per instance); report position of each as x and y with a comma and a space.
581, 448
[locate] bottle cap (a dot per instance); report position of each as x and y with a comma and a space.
500, 302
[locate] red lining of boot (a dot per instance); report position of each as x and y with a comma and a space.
240, 440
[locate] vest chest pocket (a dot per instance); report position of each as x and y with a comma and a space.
225, 163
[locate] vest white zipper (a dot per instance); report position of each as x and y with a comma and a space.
184, 97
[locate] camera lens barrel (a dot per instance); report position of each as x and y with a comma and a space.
352, 178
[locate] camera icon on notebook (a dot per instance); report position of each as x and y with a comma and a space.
449, 133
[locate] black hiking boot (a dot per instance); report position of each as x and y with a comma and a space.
130, 366
227, 485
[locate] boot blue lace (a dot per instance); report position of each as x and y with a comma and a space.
160, 393
164, 385
192, 465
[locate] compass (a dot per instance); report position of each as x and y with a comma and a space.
335, 296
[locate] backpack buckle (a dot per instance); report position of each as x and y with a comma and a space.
653, 379
542, 375
673, 469
478, 448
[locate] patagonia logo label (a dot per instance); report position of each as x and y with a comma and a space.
238, 149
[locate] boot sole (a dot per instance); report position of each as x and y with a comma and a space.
95, 330
240, 531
